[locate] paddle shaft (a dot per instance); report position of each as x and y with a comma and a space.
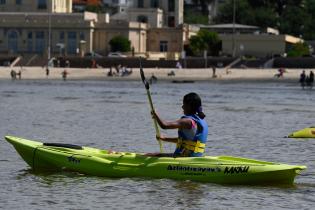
152, 109
157, 130
147, 87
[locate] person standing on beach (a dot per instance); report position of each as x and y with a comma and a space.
13, 74
302, 79
19, 74
311, 79
178, 65
192, 128
214, 72
67, 63
47, 71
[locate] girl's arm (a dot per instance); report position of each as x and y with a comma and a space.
168, 139
183, 123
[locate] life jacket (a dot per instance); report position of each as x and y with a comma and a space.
194, 147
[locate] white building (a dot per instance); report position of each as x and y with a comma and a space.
122, 5
213, 8
157, 13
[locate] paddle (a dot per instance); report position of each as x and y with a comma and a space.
147, 87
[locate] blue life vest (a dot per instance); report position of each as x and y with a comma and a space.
192, 146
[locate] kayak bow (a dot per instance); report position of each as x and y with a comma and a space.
222, 169
304, 133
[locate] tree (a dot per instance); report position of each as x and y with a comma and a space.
94, 8
298, 50
205, 40
295, 17
265, 17
244, 13
120, 43
194, 18
309, 31
293, 20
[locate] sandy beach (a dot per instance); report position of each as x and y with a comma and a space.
161, 74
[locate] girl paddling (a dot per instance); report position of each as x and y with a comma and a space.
192, 128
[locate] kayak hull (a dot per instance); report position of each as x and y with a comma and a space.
96, 162
304, 133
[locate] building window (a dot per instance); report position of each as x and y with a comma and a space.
171, 5
82, 36
62, 36
2, 1
40, 35
72, 35
30, 42
72, 42
41, 4
163, 46
39, 42
142, 19
30, 35
18, 2
13, 41
171, 21
13, 35
154, 3
140, 3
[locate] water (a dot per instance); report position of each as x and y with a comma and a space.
245, 119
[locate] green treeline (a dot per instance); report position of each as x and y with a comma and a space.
294, 17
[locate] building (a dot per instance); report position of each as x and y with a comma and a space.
53, 6
35, 32
48, 27
258, 45
212, 7
157, 13
51, 26
166, 32
121, 5
136, 32
241, 40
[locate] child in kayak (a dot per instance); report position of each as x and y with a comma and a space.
192, 128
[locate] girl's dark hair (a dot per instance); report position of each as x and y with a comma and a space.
194, 101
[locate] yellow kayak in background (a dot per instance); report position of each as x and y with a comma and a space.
304, 133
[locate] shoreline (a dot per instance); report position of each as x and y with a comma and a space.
181, 75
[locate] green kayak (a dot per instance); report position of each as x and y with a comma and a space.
97, 162
304, 133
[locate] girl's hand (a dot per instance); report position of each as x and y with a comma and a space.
160, 138
154, 115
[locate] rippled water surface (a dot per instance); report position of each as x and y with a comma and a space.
245, 119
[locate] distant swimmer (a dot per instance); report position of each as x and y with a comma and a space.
281, 72
64, 74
